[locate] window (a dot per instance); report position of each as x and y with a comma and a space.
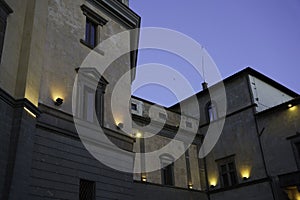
167, 170
93, 21
5, 10
162, 116
89, 104
212, 111
188, 124
133, 106
295, 142
90, 95
227, 172
91, 33
298, 148
87, 190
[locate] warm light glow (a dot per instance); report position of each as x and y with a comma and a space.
292, 108
213, 182
57, 95
245, 173
190, 186
29, 112
138, 135
144, 178
290, 105
293, 193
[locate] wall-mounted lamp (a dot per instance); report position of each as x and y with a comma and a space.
245, 173
213, 182
144, 178
212, 186
137, 135
290, 105
190, 186
58, 101
120, 125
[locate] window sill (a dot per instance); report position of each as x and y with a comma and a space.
91, 47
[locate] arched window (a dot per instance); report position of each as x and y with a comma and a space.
167, 169
212, 112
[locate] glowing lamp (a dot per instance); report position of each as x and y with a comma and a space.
58, 101
245, 174
138, 135
120, 125
144, 178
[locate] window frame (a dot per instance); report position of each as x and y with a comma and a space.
212, 106
231, 174
5, 11
89, 79
93, 19
295, 141
83, 183
167, 170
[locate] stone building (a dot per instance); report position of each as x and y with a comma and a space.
257, 153
43, 45
53, 86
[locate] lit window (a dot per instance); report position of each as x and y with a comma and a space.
167, 170
87, 190
212, 111
227, 172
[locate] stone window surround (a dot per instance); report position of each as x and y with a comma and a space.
226, 161
94, 18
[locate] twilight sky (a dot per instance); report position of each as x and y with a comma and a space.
263, 34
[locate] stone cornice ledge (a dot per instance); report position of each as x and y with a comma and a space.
119, 11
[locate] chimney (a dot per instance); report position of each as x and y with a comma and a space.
204, 85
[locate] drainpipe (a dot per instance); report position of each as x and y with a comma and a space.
259, 134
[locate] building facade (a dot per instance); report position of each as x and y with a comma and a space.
44, 44
257, 153
53, 85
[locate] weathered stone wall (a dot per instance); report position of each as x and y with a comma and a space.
152, 191
260, 191
65, 53
60, 160
279, 125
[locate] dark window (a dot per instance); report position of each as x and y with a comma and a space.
5, 10
91, 33
212, 111
87, 190
162, 116
93, 21
167, 170
298, 148
227, 171
133, 106
189, 124
167, 175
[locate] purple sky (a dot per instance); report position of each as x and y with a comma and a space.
263, 34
